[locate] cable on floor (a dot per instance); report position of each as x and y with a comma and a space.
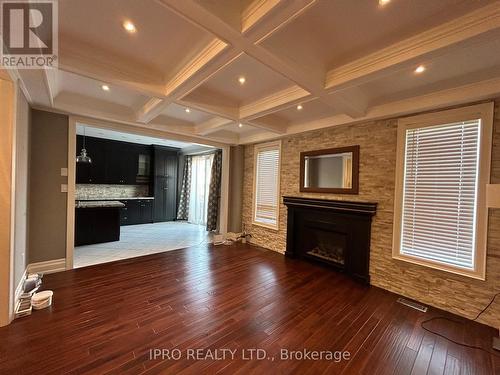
422, 324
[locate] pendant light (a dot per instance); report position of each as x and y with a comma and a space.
83, 157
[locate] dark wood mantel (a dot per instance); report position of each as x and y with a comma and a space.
337, 205
339, 229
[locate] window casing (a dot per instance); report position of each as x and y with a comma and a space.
266, 201
443, 166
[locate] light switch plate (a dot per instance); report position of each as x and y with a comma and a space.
64, 172
64, 188
496, 343
493, 195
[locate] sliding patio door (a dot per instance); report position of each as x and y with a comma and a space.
200, 182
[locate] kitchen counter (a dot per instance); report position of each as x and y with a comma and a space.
113, 199
99, 204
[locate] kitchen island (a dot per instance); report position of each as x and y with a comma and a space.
97, 222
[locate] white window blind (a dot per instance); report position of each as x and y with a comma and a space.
267, 161
440, 193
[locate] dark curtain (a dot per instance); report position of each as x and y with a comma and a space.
214, 192
182, 211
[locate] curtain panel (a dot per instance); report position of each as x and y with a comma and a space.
214, 192
183, 210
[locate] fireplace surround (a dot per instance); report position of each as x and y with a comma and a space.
333, 232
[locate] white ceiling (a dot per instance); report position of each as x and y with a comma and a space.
343, 61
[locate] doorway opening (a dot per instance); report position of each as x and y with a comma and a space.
137, 195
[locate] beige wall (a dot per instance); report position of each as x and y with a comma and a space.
47, 205
21, 192
7, 93
377, 140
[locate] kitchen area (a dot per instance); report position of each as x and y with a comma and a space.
126, 196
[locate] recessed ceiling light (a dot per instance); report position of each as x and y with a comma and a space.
187, 110
240, 125
105, 87
242, 80
420, 69
383, 2
129, 27
299, 107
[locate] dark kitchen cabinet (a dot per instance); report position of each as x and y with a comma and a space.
146, 211
121, 164
97, 225
165, 183
114, 162
93, 173
136, 212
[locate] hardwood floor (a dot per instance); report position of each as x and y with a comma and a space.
107, 318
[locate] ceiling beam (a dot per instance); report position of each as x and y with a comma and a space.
263, 17
37, 84
52, 84
212, 125
460, 95
275, 102
151, 109
271, 124
355, 108
200, 68
153, 130
311, 81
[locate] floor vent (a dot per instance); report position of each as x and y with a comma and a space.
413, 305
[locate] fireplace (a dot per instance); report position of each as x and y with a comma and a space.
335, 233
325, 244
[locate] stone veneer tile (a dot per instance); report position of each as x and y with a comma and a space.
103, 191
377, 140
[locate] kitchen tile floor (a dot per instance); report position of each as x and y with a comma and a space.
144, 239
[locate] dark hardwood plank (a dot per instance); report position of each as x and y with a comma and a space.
106, 319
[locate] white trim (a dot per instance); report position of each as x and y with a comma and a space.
485, 112
258, 147
49, 266
12, 301
71, 182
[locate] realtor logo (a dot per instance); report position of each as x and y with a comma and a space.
29, 34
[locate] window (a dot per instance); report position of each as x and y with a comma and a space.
267, 186
443, 168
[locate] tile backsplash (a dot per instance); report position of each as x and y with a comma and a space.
98, 191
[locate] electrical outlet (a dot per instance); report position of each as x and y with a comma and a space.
64, 188
64, 172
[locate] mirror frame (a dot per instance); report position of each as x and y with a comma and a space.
354, 189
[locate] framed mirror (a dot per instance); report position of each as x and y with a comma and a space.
334, 170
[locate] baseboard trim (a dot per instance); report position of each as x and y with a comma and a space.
49, 266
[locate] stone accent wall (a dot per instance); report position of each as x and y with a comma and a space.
101, 191
458, 294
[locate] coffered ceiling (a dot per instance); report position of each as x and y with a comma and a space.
232, 72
